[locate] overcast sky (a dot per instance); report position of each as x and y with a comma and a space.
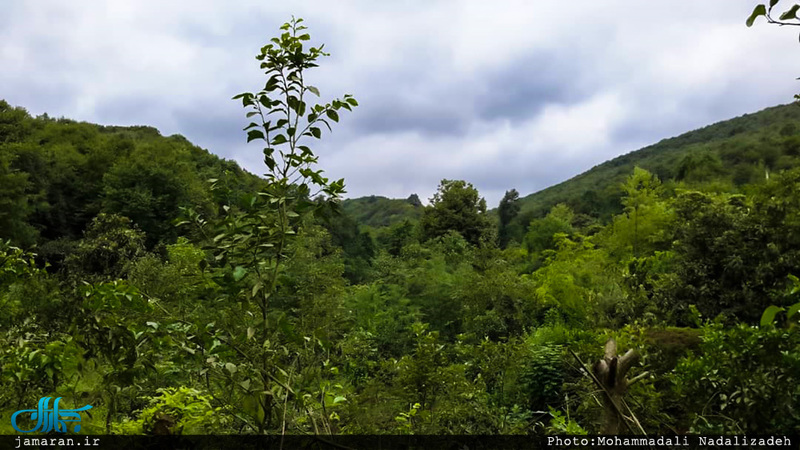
504, 94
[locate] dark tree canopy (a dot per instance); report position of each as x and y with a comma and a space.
507, 210
414, 200
457, 206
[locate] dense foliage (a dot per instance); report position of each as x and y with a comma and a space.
56, 175
378, 212
178, 294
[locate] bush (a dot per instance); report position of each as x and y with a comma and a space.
744, 379
542, 377
177, 411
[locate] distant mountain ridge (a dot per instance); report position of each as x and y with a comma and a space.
376, 211
731, 153
737, 150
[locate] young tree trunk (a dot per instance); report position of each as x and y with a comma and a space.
611, 371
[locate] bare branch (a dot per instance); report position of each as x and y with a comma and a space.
638, 378
626, 361
611, 349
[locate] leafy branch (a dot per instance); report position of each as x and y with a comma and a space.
252, 239
783, 19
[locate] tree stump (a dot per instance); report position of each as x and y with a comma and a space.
611, 372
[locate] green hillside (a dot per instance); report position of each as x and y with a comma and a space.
56, 175
734, 153
375, 211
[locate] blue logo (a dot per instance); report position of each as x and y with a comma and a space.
50, 419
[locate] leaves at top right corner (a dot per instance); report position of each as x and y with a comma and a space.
791, 13
760, 10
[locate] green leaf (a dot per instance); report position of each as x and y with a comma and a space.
231, 367
239, 272
333, 115
279, 139
791, 13
773, 3
769, 315
760, 10
326, 124
254, 134
794, 309
273, 83
316, 132
270, 162
257, 287
313, 90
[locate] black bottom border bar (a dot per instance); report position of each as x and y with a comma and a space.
390, 442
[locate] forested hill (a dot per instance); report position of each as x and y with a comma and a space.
56, 175
375, 211
731, 153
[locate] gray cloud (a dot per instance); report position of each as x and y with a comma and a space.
127, 110
521, 88
211, 126
505, 94
392, 117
